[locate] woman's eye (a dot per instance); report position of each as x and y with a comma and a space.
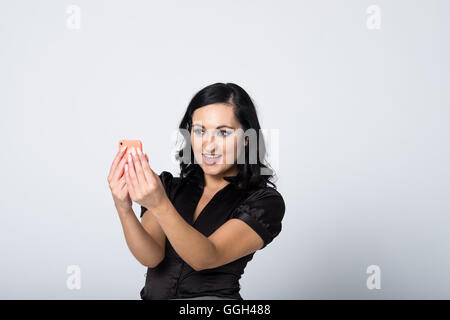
222, 133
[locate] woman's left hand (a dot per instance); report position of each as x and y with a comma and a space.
144, 185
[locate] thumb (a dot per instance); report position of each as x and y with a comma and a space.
146, 157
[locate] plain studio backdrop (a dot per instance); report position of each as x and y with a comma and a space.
359, 91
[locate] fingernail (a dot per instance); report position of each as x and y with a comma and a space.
139, 151
123, 149
133, 151
129, 157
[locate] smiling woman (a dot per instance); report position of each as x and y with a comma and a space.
228, 111
198, 231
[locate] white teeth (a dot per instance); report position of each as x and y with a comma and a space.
208, 156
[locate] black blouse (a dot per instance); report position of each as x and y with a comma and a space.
262, 209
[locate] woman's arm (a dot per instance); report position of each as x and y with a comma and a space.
141, 244
191, 245
198, 251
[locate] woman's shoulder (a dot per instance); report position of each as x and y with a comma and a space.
167, 175
170, 182
266, 192
263, 210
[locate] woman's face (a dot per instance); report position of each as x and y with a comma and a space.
214, 132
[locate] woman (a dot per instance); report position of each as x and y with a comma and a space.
198, 231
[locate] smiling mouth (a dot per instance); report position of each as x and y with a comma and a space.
212, 156
210, 160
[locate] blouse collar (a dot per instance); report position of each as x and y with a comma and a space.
198, 177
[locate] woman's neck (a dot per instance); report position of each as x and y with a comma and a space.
216, 182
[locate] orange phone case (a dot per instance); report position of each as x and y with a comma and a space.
137, 144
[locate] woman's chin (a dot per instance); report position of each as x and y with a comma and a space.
211, 169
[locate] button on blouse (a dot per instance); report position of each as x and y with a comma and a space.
261, 208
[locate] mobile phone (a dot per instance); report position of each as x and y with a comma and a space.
137, 144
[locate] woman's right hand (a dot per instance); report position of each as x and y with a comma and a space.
117, 184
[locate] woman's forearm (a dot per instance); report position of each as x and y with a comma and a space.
141, 244
191, 245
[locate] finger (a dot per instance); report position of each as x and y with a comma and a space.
118, 157
146, 171
128, 181
120, 169
124, 187
150, 175
155, 175
122, 182
132, 172
151, 170
138, 166
116, 163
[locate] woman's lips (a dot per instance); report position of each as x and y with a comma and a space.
211, 160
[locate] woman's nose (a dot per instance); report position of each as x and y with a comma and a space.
209, 138
209, 146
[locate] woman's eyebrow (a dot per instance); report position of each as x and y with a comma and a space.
219, 127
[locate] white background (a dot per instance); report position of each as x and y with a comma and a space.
364, 137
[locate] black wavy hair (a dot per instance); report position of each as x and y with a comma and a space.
249, 175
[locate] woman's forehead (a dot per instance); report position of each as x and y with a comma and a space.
214, 116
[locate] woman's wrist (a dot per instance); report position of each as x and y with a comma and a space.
124, 211
161, 208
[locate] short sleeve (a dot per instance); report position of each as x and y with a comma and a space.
263, 211
166, 178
